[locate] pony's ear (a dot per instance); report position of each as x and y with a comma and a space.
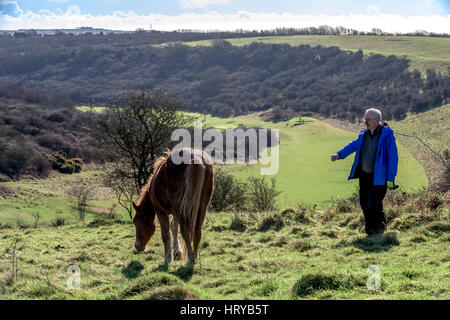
135, 206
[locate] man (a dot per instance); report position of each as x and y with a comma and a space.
375, 165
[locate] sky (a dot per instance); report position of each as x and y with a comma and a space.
391, 16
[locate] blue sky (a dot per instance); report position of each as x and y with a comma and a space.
393, 16
176, 7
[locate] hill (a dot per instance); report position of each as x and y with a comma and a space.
423, 52
228, 80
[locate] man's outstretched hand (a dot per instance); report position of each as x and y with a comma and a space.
335, 157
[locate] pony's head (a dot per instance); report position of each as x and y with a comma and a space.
145, 223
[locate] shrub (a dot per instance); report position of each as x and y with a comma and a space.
238, 223
271, 222
62, 164
343, 206
57, 116
228, 191
262, 194
76, 163
58, 222
302, 214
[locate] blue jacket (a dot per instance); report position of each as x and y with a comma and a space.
386, 161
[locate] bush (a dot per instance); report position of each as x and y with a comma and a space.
58, 222
62, 164
238, 223
271, 222
228, 191
262, 194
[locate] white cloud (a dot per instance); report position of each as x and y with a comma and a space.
10, 8
190, 4
214, 21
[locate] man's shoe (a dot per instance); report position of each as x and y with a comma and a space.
381, 229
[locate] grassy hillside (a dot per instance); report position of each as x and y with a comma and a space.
431, 126
300, 253
306, 174
424, 52
432, 132
20, 200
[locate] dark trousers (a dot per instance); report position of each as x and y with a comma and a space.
371, 200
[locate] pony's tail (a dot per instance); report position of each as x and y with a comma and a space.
190, 204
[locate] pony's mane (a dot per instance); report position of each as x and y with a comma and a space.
157, 165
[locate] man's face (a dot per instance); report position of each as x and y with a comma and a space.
371, 122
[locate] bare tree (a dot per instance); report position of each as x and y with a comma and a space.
120, 179
82, 192
136, 128
36, 217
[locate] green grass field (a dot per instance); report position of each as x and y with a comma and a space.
424, 52
297, 254
306, 174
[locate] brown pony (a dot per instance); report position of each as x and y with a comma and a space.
184, 190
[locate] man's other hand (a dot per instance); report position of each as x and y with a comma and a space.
335, 157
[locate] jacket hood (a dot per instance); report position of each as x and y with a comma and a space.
387, 131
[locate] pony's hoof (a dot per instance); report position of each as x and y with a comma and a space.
191, 263
177, 255
167, 260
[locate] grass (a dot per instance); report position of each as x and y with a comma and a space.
48, 198
325, 257
424, 52
88, 108
433, 130
431, 126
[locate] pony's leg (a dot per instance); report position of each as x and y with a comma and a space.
165, 234
176, 245
198, 228
185, 232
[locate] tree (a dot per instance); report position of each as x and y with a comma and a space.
82, 192
118, 178
136, 128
